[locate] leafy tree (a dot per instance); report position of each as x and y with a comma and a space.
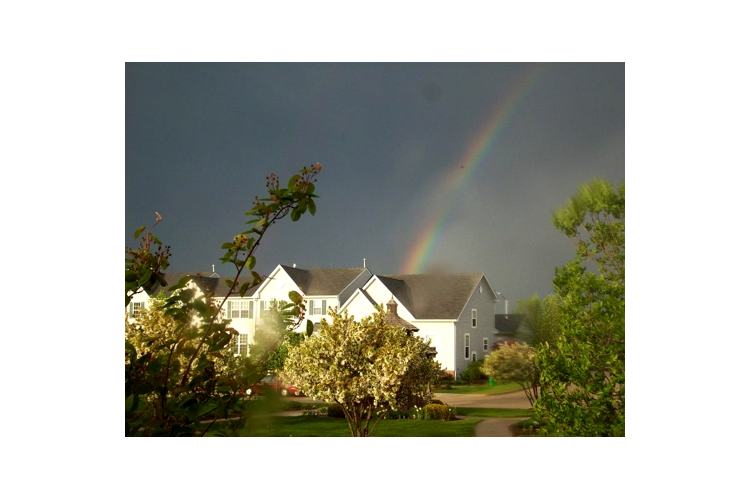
365, 366
583, 372
145, 265
274, 338
542, 317
515, 363
178, 377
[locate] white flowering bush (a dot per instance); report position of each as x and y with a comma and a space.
365, 366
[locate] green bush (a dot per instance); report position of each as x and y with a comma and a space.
473, 372
335, 410
437, 412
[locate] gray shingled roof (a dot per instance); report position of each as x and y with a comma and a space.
433, 296
322, 281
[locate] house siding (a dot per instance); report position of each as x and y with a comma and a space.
484, 303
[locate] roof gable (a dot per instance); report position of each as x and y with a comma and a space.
433, 296
323, 281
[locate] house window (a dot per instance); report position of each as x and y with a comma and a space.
318, 307
242, 344
237, 309
473, 318
264, 306
135, 309
485, 344
467, 339
474, 356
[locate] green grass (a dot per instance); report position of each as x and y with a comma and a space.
321, 426
478, 389
494, 412
262, 424
336, 427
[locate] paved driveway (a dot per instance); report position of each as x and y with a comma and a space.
515, 399
490, 427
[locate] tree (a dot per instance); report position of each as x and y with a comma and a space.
515, 363
541, 317
583, 373
176, 378
275, 337
365, 366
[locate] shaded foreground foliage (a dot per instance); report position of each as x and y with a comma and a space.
175, 378
582, 372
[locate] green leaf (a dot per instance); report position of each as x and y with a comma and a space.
251, 262
138, 232
309, 328
295, 297
293, 181
311, 206
144, 279
180, 284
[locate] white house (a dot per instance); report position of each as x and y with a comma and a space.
455, 312
321, 288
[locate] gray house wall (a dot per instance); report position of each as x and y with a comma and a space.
484, 303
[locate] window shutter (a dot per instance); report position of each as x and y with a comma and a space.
229, 309
130, 310
323, 311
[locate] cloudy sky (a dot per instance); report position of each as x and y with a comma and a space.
426, 167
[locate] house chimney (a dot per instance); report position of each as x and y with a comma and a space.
506, 306
294, 265
364, 262
213, 268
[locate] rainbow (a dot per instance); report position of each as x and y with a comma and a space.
454, 182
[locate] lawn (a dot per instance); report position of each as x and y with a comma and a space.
336, 427
265, 425
260, 417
